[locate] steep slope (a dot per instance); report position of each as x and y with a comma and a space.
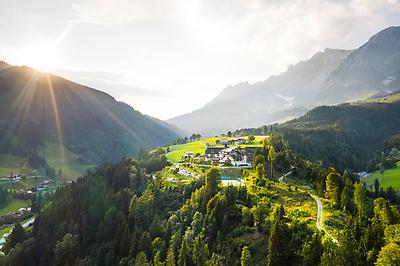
348, 136
330, 77
38, 110
372, 68
277, 99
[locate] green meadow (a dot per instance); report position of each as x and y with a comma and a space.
390, 177
60, 158
13, 206
199, 146
14, 164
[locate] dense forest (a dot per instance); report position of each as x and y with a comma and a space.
348, 136
124, 214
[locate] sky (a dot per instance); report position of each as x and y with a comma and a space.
170, 57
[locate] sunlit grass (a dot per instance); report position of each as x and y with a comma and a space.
6, 230
390, 177
14, 164
60, 158
13, 206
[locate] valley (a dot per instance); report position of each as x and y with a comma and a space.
302, 168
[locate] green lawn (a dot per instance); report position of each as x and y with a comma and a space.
176, 151
390, 177
59, 157
385, 99
15, 164
5, 230
13, 206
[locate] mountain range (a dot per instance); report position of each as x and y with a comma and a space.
329, 77
62, 122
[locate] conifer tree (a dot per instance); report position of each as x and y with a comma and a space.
245, 256
170, 261
278, 238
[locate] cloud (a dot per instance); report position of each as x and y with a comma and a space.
103, 12
185, 51
372, 7
111, 82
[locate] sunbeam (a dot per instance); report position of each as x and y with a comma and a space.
55, 112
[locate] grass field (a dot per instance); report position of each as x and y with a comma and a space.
13, 206
176, 151
5, 230
390, 177
15, 164
385, 99
59, 157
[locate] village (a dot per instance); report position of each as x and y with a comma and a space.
39, 183
225, 153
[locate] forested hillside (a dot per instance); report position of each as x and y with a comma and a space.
348, 136
39, 112
120, 215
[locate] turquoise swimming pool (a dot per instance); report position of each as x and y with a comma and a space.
225, 177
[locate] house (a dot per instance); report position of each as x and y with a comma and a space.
224, 142
249, 152
213, 150
240, 141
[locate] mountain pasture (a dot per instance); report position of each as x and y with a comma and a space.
390, 177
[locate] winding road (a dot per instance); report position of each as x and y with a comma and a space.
319, 222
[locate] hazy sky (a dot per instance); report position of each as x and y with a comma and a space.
167, 58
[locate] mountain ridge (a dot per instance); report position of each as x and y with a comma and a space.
39, 108
329, 77
270, 98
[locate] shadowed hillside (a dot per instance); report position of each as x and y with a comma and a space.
38, 110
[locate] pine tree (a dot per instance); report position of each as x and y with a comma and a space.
261, 174
271, 158
334, 188
376, 187
360, 201
170, 258
200, 250
141, 260
17, 235
245, 257
157, 260
212, 180
184, 256
312, 250
278, 238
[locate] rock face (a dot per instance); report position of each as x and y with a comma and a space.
37, 108
277, 99
372, 68
329, 77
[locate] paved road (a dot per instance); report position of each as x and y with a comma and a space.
285, 175
319, 222
27, 223
24, 225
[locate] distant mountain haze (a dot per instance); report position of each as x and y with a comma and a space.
277, 99
37, 110
372, 68
329, 77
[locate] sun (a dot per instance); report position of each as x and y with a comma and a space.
40, 57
